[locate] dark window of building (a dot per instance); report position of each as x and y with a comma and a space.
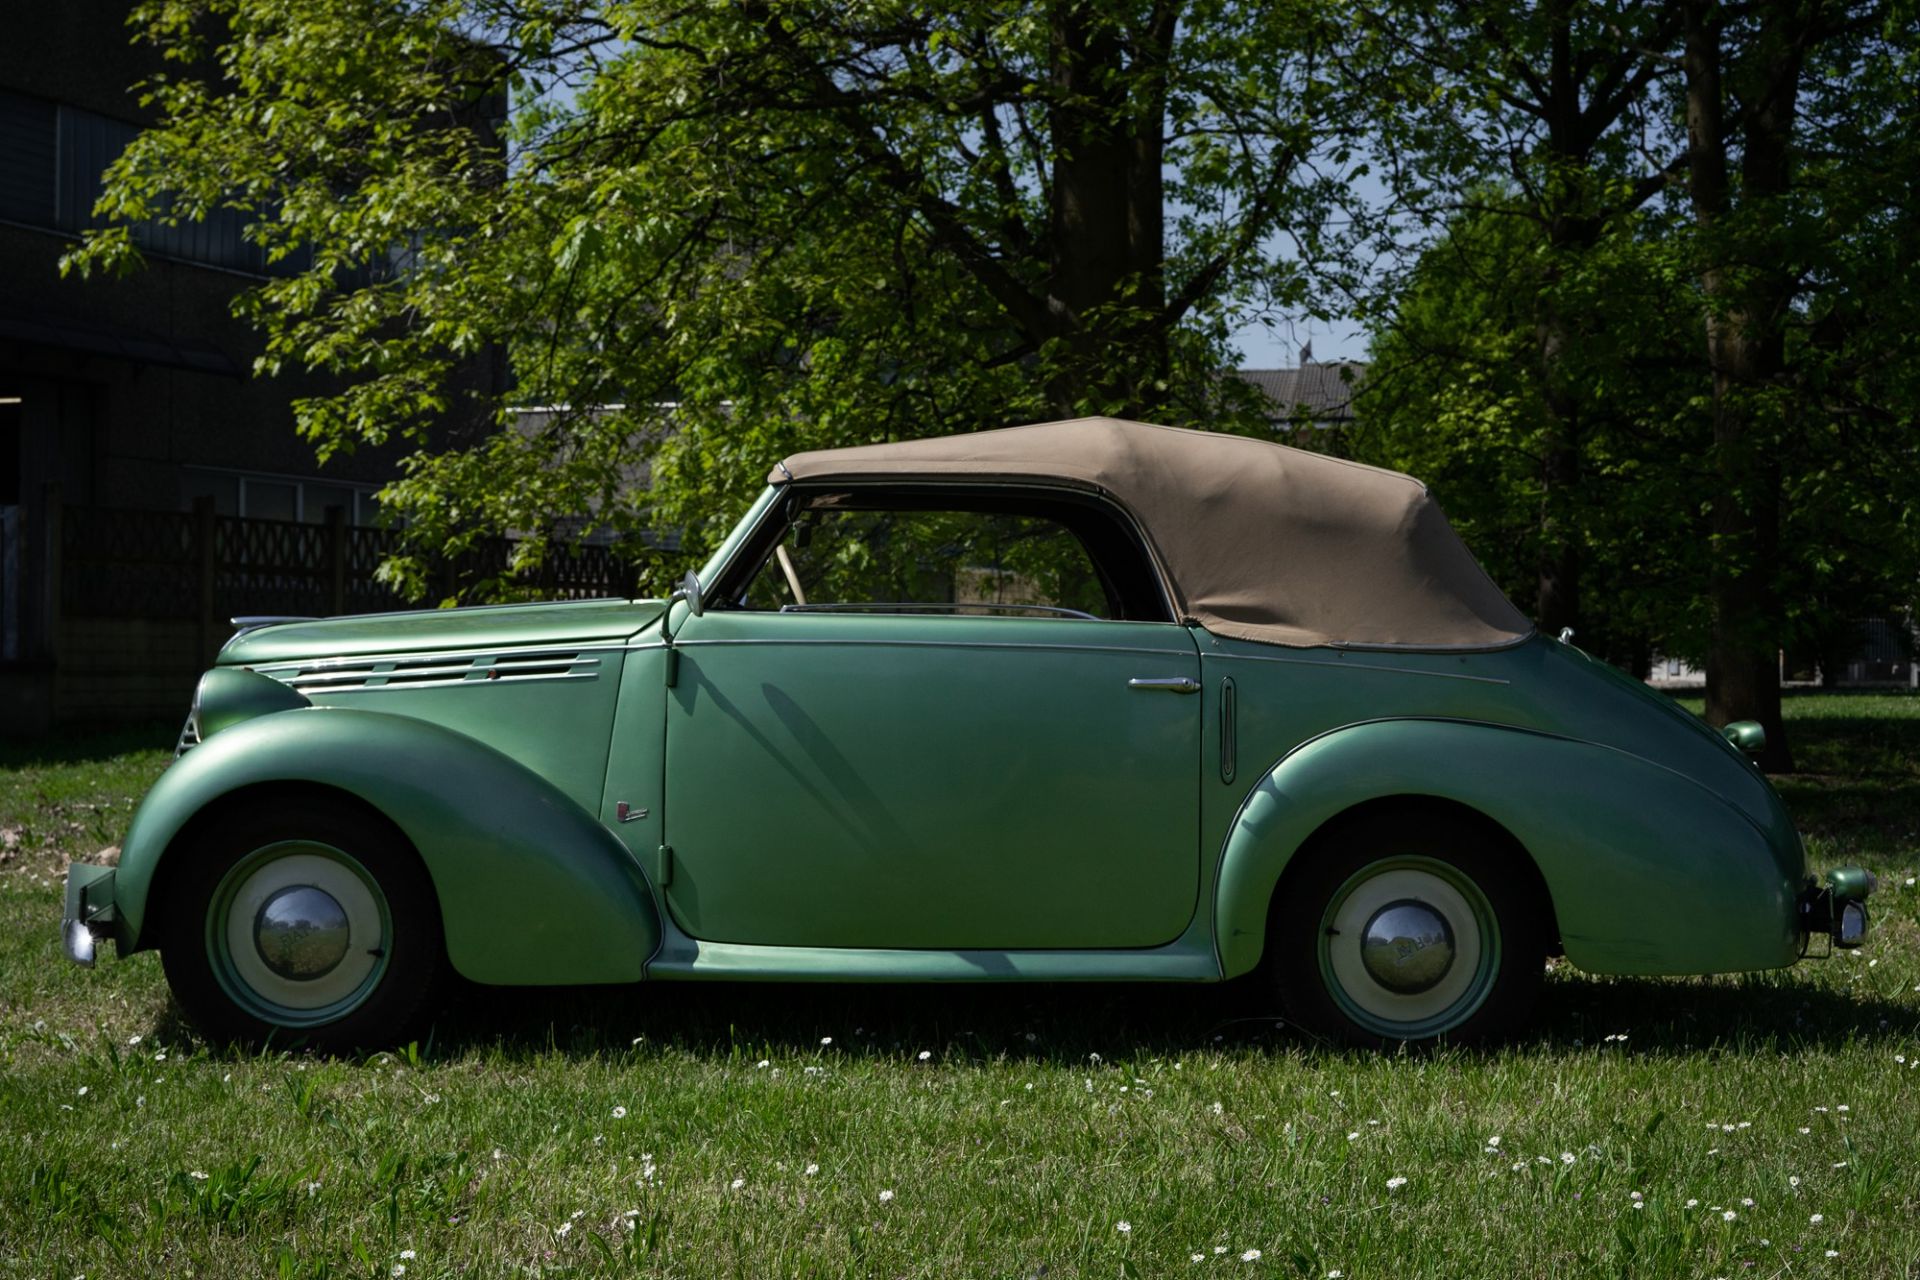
318, 497
26, 159
88, 144
269, 499
258, 497
223, 487
52, 158
10, 463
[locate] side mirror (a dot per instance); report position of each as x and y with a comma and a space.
690, 592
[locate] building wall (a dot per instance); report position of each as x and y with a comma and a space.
116, 431
127, 393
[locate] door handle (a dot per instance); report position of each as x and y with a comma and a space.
1166, 684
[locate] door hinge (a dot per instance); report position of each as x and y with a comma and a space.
666, 865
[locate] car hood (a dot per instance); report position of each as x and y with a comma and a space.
425, 630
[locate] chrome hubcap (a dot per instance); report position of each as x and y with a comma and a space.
1407, 947
298, 933
301, 932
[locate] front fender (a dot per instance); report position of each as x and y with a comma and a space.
532, 889
1649, 872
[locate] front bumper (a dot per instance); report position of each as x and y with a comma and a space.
90, 914
1837, 907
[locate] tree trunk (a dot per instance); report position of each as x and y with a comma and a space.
1746, 304
1558, 602
1104, 285
1570, 230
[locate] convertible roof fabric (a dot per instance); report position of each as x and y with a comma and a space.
1260, 542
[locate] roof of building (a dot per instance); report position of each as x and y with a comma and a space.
1323, 392
1259, 541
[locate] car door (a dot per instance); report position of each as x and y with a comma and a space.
931, 774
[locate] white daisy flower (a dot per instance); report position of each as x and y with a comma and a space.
886, 1196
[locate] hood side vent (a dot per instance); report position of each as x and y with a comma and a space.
353, 675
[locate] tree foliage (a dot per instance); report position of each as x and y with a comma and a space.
797, 225
1643, 334
1458, 396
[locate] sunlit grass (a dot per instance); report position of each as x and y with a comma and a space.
752, 1131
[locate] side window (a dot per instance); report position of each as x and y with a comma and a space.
853, 553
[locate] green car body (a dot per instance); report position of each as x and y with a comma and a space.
618, 791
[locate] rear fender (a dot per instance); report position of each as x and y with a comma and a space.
1648, 872
532, 889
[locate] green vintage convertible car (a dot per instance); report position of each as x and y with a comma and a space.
1090, 700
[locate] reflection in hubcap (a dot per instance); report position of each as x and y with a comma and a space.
1407, 947
301, 932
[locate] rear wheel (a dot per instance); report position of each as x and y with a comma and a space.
1401, 930
302, 923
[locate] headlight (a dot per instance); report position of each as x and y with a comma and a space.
228, 695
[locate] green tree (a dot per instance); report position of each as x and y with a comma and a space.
1800, 118
1726, 498
798, 225
1542, 115
1458, 396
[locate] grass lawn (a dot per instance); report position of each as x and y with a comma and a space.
1756, 1126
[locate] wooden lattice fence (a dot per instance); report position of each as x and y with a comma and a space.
195, 564
137, 602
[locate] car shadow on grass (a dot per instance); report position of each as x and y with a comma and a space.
1061, 1023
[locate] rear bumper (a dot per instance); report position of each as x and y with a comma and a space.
90, 914
1837, 906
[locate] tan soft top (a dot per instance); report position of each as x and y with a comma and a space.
1259, 541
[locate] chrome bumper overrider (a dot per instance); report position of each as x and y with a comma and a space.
1837, 907
90, 915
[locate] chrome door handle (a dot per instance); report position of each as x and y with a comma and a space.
1168, 684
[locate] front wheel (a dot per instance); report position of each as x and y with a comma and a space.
302, 924
1397, 930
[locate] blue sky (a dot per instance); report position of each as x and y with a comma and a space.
1278, 347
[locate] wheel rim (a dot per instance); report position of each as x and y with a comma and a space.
1409, 947
298, 933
